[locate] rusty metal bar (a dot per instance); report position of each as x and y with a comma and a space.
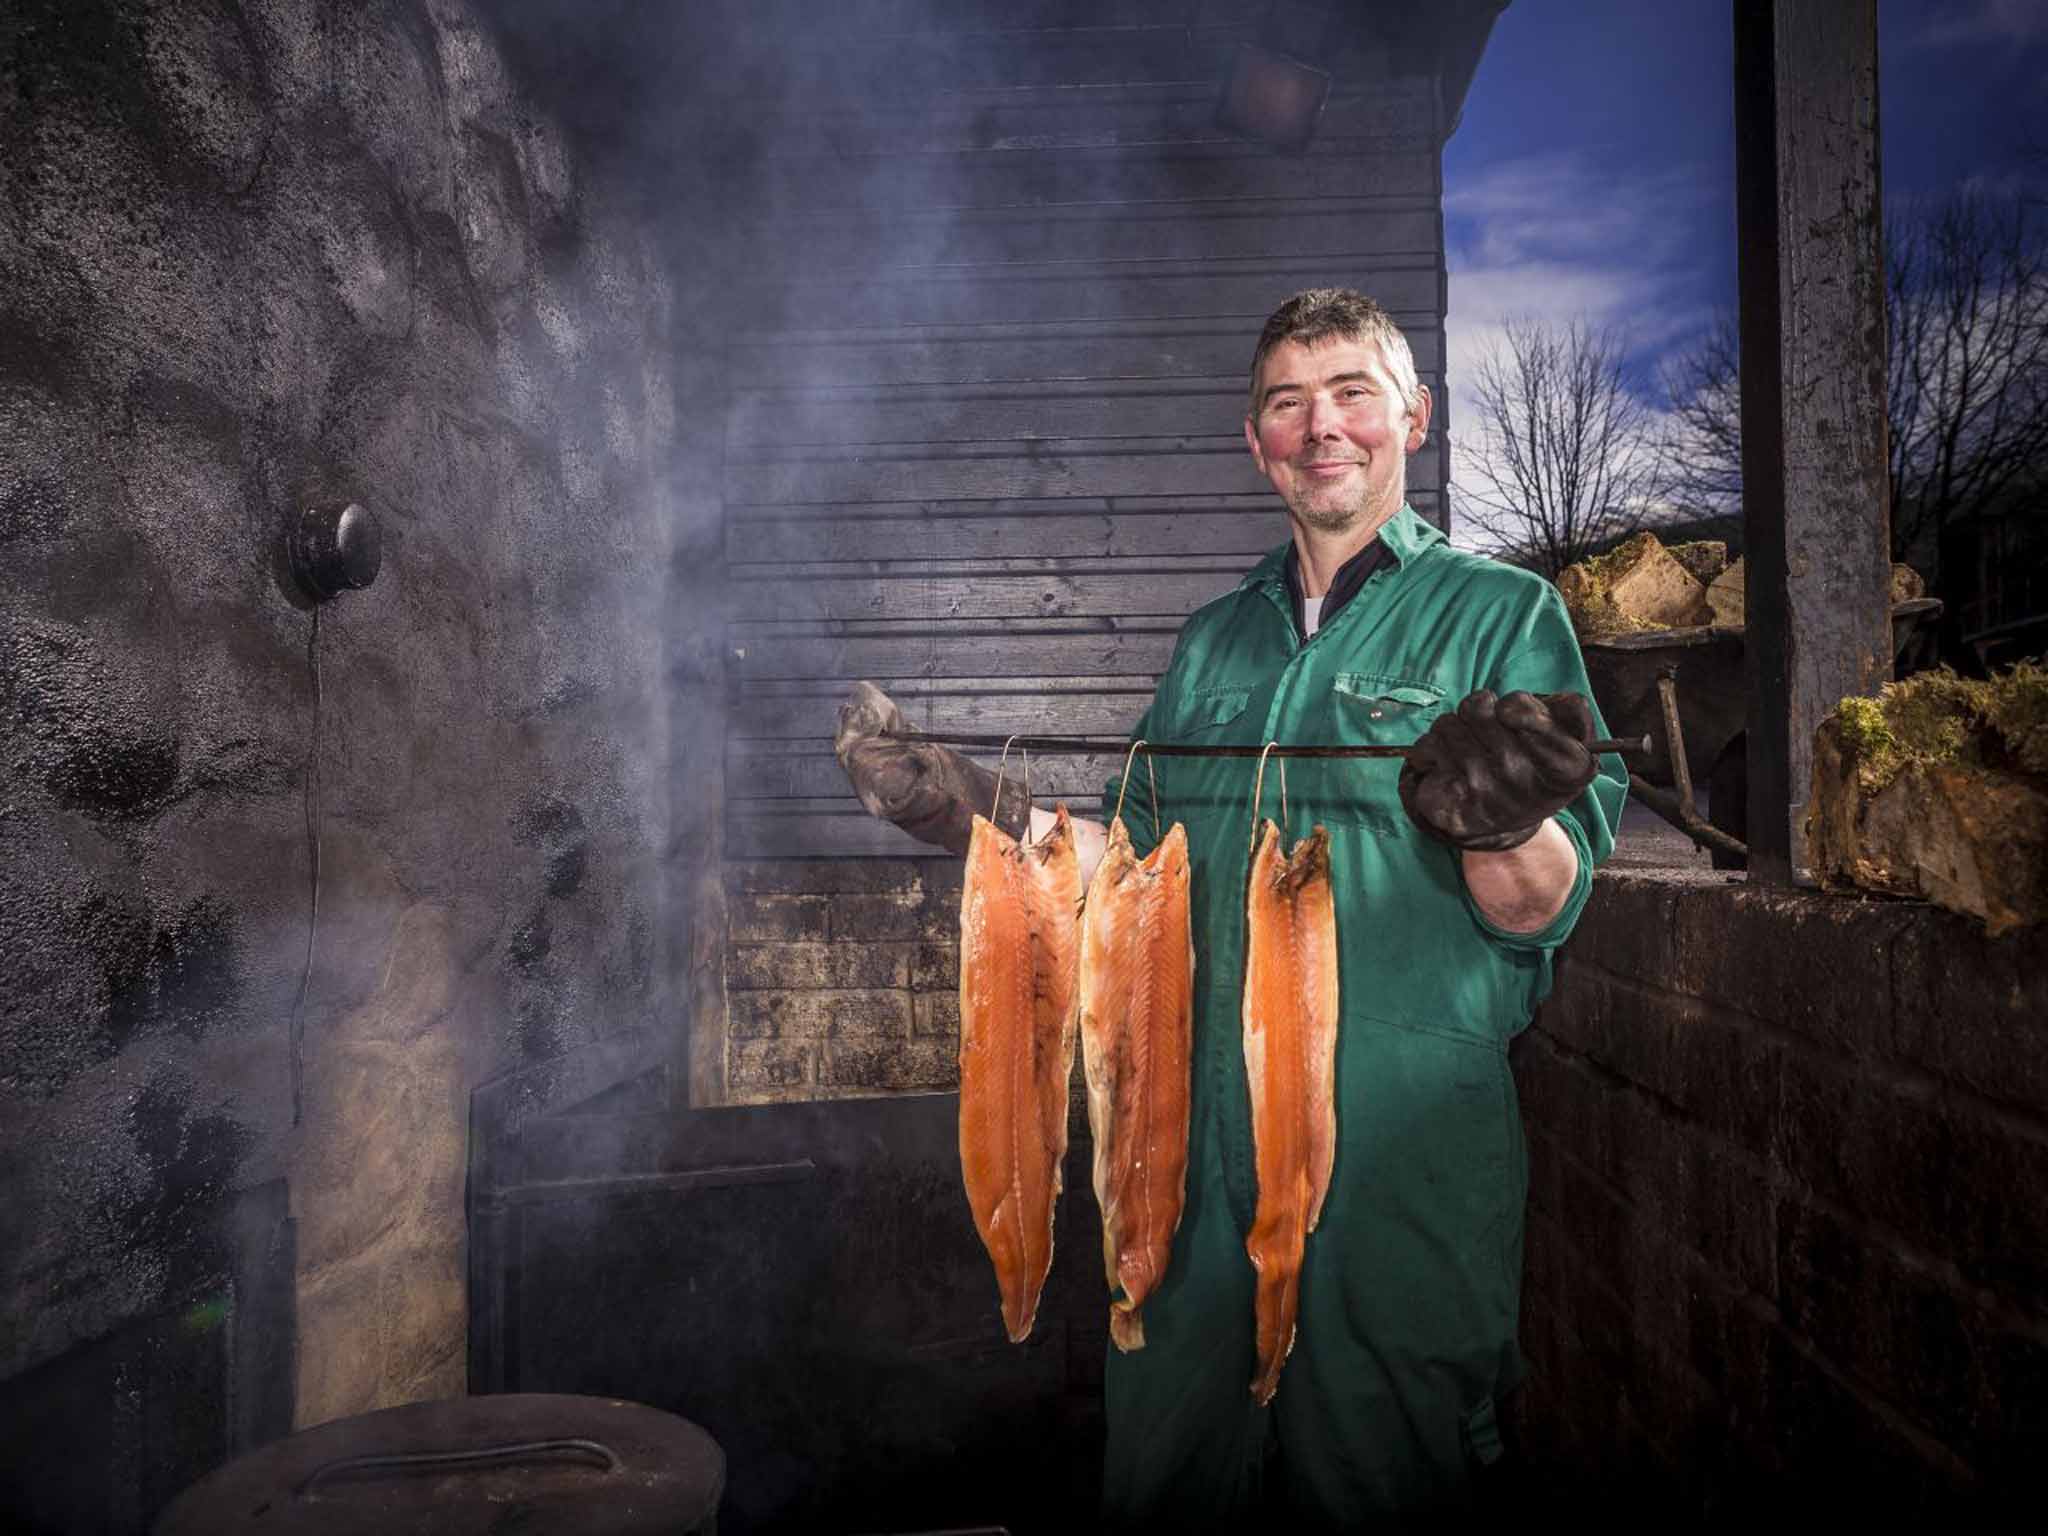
1674, 737
1638, 746
1681, 810
1703, 833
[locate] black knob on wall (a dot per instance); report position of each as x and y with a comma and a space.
335, 550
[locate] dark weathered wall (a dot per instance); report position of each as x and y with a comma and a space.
253, 256
984, 442
1787, 1239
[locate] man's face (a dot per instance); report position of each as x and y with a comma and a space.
1333, 434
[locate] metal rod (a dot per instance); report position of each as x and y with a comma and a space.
1674, 739
1683, 809
1703, 833
1632, 746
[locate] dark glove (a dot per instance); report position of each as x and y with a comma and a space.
1489, 775
931, 792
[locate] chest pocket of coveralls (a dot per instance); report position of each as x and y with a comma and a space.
1200, 786
1371, 709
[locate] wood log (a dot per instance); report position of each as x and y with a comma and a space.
1725, 597
1653, 590
1938, 790
1637, 586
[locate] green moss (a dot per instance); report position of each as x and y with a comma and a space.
1863, 727
1586, 589
2017, 708
1600, 569
1938, 717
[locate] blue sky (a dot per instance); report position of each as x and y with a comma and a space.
1594, 171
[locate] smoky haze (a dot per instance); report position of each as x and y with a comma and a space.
966, 295
255, 259
697, 359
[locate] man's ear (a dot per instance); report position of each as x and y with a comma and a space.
1418, 419
1251, 441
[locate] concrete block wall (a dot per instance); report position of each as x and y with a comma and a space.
1788, 1233
842, 977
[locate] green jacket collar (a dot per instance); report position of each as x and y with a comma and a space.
1405, 534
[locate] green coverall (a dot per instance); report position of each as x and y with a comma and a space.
1410, 1285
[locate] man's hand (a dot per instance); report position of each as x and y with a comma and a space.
931, 792
1486, 776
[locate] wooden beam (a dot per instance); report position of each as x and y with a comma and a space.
1811, 258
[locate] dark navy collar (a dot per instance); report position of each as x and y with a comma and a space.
1350, 578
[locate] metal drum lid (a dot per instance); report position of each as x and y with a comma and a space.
571, 1466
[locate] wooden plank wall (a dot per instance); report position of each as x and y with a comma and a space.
984, 438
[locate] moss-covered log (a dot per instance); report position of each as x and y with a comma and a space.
1938, 788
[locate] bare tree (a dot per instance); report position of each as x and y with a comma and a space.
1966, 312
1703, 441
1562, 455
1967, 322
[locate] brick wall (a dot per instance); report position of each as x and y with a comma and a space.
1788, 1232
842, 976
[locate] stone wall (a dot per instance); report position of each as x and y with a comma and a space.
842, 977
1787, 1242
254, 256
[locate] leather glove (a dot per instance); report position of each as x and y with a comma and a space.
931, 792
1487, 776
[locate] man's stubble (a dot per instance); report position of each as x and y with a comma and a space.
1346, 510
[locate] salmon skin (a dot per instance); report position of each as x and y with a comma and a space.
1290, 1054
1020, 936
1137, 1034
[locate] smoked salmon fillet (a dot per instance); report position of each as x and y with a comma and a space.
1137, 1033
1290, 1054
1020, 936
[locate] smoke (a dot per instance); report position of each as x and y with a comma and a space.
935, 366
697, 360
963, 299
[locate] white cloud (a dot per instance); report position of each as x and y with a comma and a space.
2013, 23
1559, 238
1563, 238
1649, 308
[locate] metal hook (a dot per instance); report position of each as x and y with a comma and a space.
1258, 789
1158, 831
1002, 763
1124, 784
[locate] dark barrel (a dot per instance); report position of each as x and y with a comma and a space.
571, 1466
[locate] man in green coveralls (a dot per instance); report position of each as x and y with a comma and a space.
1455, 880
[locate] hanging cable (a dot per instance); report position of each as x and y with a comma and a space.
298, 1025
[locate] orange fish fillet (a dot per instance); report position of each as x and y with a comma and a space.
1137, 1031
1019, 954
1290, 1053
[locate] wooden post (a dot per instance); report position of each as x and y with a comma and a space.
1815, 513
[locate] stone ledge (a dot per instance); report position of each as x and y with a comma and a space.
1871, 978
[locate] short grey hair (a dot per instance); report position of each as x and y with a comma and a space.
1324, 314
